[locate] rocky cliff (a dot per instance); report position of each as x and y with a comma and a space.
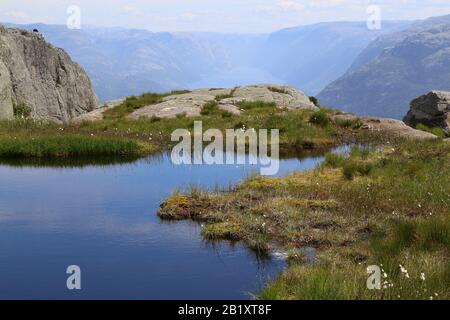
41, 79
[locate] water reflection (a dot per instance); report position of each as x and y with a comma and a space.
101, 216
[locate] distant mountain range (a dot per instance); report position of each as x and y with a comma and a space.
394, 69
122, 62
349, 67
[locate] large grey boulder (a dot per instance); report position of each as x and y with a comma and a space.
386, 126
42, 77
432, 110
192, 103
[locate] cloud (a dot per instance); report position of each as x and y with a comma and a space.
326, 4
256, 16
188, 16
21, 15
290, 5
132, 10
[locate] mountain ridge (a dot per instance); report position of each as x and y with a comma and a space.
123, 62
395, 69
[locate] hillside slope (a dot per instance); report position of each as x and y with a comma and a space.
123, 62
395, 69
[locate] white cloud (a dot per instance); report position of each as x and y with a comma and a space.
290, 5
132, 10
188, 16
326, 4
207, 15
21, 15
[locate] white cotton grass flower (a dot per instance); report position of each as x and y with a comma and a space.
422, 276
404, 271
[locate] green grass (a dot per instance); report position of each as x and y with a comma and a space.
210, 108
413, 257
334, 160
320, 118
395, 210
257, 105
349, 124
223, 96
436, 131
297, 133
133, 103
68, 146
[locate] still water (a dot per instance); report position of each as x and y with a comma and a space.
103, 219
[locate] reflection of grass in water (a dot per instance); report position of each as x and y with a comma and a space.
82, 162
78, 162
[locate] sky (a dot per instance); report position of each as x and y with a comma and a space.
243, 16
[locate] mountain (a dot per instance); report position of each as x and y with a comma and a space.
39, 80
310, 57
122, 62
393, 70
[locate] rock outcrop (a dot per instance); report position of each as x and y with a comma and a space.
391, 127
432, 110
42, 78
192, 103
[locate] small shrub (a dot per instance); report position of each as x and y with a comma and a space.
154, 119
349, 170
21, 110
349, 124
181, 115
320, 118
278, 90
210, 108
226, 114
315, 101
364, 168
252, 105
175, 92
133, 103
359, 152
223, 96
334, 160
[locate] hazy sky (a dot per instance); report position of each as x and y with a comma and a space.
214, 15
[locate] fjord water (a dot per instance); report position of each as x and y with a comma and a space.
103, 219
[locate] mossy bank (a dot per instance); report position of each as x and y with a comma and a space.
388, 207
